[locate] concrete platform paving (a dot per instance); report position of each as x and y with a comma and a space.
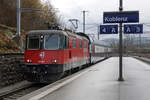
100, 83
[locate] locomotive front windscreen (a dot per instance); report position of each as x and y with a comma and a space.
51, 42
48, 42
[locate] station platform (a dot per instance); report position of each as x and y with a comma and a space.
99, 82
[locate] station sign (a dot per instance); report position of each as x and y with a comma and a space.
108, 29
121, 17
133, 28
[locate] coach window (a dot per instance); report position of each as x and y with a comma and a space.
85, 45
74, 43
80, 44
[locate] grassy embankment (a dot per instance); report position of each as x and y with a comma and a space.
9, 42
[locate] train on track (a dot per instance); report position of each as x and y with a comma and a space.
50, 54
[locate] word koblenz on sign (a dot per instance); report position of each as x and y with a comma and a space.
114, 19
121, 17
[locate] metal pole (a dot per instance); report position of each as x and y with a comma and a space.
83, 21
140, 44
19, 24
18, 17
120, 45
98, 31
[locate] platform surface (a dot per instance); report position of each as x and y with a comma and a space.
100, 82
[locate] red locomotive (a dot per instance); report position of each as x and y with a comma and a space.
50, 54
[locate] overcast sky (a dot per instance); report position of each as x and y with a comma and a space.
69, 9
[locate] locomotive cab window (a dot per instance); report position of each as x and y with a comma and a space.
33, 42
67, 42
64, 42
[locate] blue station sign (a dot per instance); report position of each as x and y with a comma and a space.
108, 29
133, 28
121, 17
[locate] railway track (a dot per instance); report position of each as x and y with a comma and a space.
144, 59
14, 95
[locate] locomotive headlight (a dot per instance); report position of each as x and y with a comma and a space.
42, 36
54, 61
29, 61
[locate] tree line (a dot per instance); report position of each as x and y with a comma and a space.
29, 19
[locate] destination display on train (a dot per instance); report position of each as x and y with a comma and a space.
121, 17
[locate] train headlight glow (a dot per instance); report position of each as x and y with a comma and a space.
42, 36
54, 61
29, 61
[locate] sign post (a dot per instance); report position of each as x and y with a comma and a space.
120, 45
121, 17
